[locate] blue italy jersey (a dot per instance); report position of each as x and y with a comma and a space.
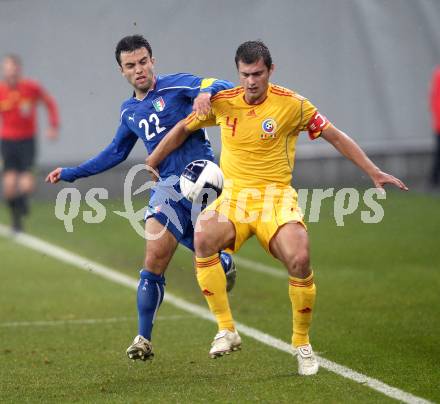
150, 119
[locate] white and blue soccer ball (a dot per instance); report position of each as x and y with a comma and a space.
201, 181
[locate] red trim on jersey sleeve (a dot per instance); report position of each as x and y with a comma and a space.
316, 125
191, 122
190, 118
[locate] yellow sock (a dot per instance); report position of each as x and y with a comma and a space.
302, 293
212, 282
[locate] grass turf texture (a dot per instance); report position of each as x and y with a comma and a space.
377, 313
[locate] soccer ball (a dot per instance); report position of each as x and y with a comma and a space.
201, 182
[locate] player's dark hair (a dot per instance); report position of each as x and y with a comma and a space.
252, 51
130, 44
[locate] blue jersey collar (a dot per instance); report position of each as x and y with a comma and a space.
149, 91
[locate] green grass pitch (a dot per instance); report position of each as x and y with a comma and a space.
63, 332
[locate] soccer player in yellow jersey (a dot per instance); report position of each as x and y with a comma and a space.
260, 123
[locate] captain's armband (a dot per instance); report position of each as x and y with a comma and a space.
205, 85
317, 124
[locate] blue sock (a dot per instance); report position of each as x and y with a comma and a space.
226, 260
149, 298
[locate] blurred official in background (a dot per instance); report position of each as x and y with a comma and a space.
435, 110
19, 98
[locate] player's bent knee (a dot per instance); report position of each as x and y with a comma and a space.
9, 184
156, 262
204, 245
299, 265
27, 184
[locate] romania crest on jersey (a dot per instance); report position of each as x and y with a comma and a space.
269, 127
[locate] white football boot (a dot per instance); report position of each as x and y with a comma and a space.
224, 343
307, 362
141, 349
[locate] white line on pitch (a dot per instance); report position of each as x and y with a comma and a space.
115, 276
45, 323
253, 265
258, 267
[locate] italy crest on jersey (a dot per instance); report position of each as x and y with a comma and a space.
159, 104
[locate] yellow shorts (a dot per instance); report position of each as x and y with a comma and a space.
258, 212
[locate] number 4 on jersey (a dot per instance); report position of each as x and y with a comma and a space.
232, 125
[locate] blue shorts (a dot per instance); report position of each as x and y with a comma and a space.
176, 213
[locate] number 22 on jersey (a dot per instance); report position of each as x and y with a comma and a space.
154, 119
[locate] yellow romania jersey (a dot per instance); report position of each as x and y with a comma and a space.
258, 141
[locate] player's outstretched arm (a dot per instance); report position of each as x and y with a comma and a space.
54, 176
350, 149
172, 141
116, 152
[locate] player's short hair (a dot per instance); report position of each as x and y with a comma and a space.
15, 58
251, 52
130, 44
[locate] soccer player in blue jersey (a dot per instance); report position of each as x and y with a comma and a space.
158, 103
